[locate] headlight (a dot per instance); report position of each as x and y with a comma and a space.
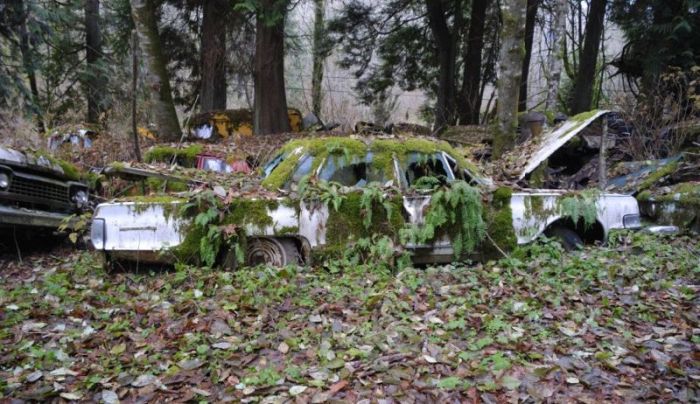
4, 181
81, 199
97, 234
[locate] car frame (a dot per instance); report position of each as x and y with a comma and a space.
291, 229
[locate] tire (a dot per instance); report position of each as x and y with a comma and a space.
276, 252
568, 238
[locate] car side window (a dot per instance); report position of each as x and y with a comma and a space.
303, 168
357, 172
419, 165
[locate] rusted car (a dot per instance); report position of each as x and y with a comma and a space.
293, 224
37, 191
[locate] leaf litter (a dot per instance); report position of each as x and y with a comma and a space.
613, 323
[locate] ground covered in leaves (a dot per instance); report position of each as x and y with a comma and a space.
615, 323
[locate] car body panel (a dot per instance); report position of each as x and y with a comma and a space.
311, 218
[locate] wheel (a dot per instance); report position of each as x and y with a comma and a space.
275, 252
568, 238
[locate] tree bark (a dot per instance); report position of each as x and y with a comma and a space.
212, 95
582, 95
319, 55
470, 96
270, 96
555, 59
19, 15
156, 75
96, 82
531, 14
510, 60
446, 47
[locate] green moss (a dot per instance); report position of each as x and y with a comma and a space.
253, 212
153, 199
345, 225
287, 230
499, 225
644, 196
584, 116
70, 171
537, 176
657, 175
160, 185
186, 157
383, 151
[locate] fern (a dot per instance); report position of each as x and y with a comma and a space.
371, 195
456, 209
579, 206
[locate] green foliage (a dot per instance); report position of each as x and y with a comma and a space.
185, 157
581, 205
454, 210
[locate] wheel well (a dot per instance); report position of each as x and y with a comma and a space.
301, 243
589, 234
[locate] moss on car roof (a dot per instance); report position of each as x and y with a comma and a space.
383, 149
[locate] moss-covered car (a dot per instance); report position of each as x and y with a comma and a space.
322, 196
38, 191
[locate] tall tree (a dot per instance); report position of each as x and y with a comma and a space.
156, 77
270, 95
658, 34
212, 94
319, 56
554, 60
510, 62
530, 17
470, 95
446, 44
96, 82
582, 94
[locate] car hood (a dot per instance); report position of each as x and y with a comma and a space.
30, 160
529, 155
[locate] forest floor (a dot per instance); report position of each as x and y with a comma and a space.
616, 323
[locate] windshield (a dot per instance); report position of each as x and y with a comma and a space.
355, 172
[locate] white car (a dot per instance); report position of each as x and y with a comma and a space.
289, 229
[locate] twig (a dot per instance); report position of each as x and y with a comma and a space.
496, 245
14, 236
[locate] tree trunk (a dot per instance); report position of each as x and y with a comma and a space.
582, 95
470, 97
270, 96
532, 6
510, 61
19, 15
96, 81
554, 61
319, 55
156, 75
212, 95
444, 40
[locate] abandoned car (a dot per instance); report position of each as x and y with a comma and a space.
321, 195
37, 191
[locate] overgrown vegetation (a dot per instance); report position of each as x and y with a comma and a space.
619, 319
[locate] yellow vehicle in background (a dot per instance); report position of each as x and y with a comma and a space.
215, 125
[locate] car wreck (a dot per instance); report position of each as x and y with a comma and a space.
37, 191
318, 197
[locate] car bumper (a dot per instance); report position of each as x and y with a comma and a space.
11, 216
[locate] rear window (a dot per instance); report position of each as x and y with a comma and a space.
353, 172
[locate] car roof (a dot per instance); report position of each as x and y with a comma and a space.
383, 148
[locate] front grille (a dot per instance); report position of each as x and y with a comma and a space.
39, 189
